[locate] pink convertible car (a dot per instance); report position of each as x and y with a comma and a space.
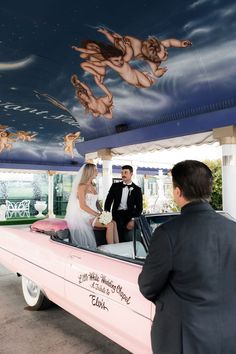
97, 286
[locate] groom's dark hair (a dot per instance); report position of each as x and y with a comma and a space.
127, 167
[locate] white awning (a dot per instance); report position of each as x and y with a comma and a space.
165, 153
153, 146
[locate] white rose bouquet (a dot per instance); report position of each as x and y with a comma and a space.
105, 217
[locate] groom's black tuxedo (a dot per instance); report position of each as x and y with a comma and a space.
134, 205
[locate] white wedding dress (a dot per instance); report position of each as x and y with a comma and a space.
80, 222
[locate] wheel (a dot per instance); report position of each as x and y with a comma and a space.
33, 296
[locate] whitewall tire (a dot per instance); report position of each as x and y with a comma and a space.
33, 295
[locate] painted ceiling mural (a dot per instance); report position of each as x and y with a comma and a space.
75, 72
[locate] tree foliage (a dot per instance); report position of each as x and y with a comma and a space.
215, 167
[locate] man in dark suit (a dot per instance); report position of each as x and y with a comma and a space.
190, 272
126, 200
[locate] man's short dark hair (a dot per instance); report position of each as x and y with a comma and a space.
194, 179
127, 167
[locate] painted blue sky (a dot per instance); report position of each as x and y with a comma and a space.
36, 59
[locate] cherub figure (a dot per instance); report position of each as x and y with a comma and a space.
94, 54
6, 140
132, 76
69, 141
98, 106
118, 60
90, 50
152, 50
25, 136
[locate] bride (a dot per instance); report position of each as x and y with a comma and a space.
83, 210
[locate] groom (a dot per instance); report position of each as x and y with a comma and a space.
126, 201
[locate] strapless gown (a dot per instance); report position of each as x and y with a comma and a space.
80, 223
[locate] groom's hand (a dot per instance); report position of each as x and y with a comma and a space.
130, 225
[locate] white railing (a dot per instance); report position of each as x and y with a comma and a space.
18, 208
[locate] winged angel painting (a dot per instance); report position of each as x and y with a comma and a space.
7, 138
118, 56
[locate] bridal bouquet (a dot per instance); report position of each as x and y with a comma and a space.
105, 217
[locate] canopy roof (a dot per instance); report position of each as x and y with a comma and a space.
96, 75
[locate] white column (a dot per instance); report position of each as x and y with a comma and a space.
227, 138
229, 178
50, 194
106, 177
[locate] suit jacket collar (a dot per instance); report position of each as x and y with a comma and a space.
196, 206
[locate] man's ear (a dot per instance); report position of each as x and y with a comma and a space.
178, 192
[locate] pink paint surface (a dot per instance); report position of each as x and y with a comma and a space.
98, 289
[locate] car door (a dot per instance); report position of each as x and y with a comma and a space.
102, 291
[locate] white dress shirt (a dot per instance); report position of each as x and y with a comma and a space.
124, 197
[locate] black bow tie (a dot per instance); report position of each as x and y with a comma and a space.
127, 185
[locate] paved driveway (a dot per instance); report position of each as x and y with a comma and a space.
44, 332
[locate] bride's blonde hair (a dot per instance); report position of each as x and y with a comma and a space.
87, 173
